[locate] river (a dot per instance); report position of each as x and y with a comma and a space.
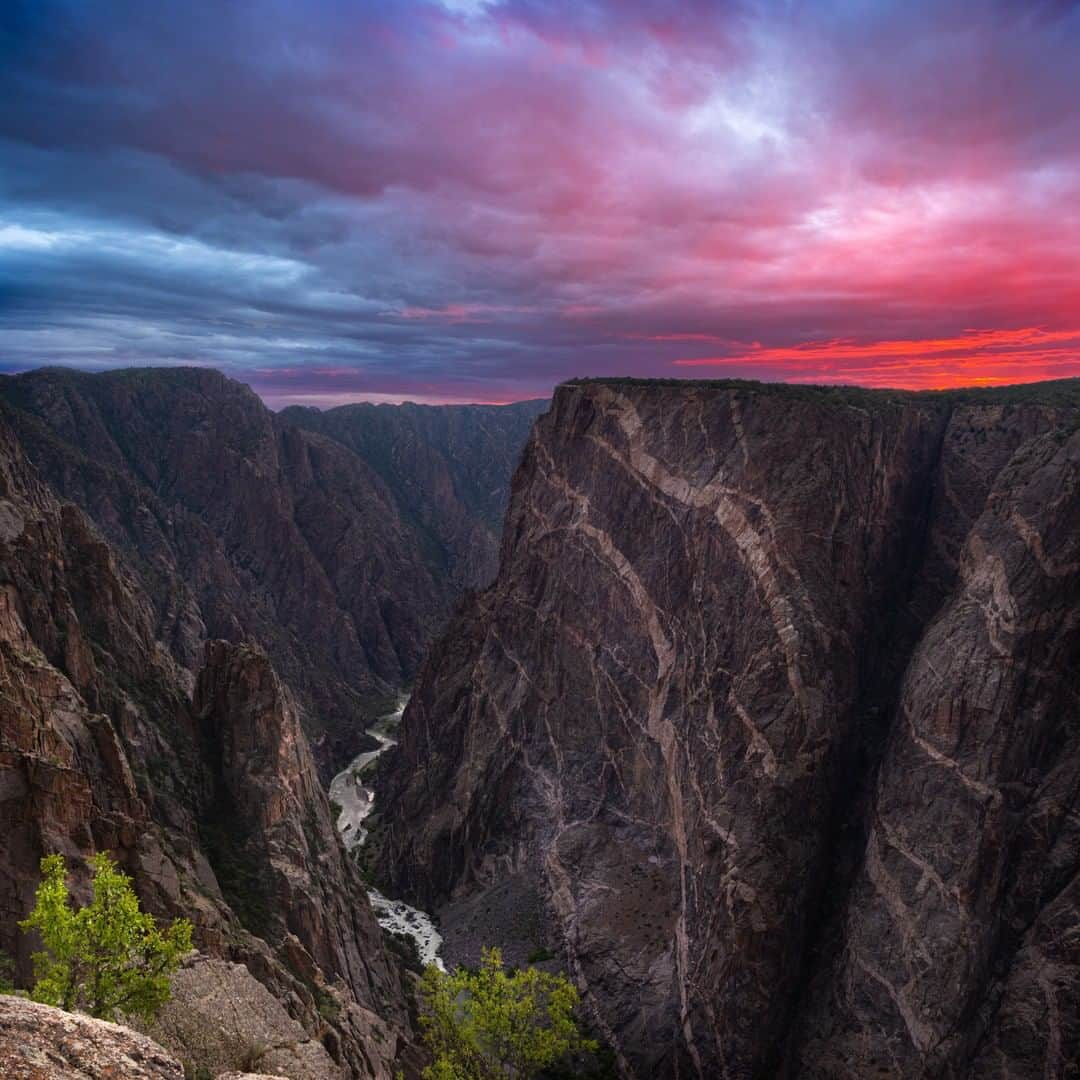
349, 790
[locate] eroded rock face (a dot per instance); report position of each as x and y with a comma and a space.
74, 741
41, 1043
296, 882
448, 467
773, 708
102, 748
339, 542
962, 925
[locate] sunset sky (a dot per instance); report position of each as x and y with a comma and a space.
472, 200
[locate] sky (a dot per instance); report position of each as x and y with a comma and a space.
473, 200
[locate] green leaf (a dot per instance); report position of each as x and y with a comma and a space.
109, 957
490, 1023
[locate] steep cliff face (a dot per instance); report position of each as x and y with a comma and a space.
962, 926
272, 828
77, 680
448, 466
772, 710
102, 748
325, 549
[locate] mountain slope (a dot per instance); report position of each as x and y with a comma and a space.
448, 466
245, 526
103, 748
771, 711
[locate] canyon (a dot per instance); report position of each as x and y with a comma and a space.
203, 606
338, 541
772, 715
761, 719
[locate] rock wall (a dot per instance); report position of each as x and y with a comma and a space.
773, 710
448, 467
337, 542
103, 748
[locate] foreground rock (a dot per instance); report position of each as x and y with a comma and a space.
221, 1018
41, 1043
249, 1076
772, 712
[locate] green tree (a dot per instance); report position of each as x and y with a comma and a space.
104, 958
484, 1024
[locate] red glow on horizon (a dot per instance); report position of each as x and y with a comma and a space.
974, 358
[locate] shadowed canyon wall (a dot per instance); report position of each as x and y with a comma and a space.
146, 627
211, 804
338, 542
773, 710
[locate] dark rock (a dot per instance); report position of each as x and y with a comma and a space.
101, 748
448, 467
774, 702
275, 822
337, 541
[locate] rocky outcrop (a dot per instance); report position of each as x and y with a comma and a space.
250, 1076
90, 707
38, 1042
338, 542
220, 1018
103, 748
41, 1043
271, 838
771, 710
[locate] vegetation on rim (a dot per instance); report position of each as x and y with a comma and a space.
108, 957
491, 1023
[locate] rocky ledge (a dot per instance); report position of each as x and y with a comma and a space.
41, 1043
38, 1042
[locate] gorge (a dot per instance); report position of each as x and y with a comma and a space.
761, 720
353, 800
339, 541
204, 606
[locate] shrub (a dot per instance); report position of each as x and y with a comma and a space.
7, 975
107, 957
328, 1005
488, 1023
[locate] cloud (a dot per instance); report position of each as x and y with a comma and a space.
480, 199
974, 358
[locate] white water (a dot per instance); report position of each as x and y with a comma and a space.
357, 801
